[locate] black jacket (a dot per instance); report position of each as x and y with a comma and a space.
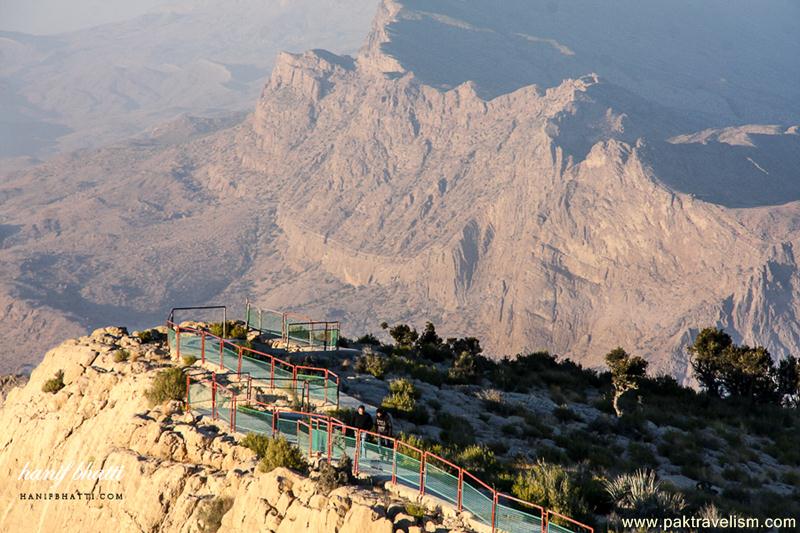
363, 421
384, 425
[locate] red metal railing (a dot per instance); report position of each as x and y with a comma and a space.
274, 362
330, 425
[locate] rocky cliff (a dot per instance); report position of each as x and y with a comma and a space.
572, 214
151, 469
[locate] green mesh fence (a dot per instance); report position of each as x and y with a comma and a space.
250, 420
478, 501
303, 436
342, 444
374, 458
287, 427
512, 520
271, 323
200, 397
212, 349
230, 357
224, 405
407, 470
298, 334
441, 483
319, 440
252, 318
173, 346
316, 335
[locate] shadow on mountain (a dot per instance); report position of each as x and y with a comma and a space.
683, 54
767, 173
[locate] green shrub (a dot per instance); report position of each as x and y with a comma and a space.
151, 335
416, 510
498, 447
189, 360
278, 452
641, 495
210, 518
564, 414
256, 442
456, 430
402, 401
121, 356
55, 384
369, 339
235, 330
791, 478
735, 474
464, 369
332, 477
169, 384
478, 459
641, 455
371, 363
511, 429
550, 486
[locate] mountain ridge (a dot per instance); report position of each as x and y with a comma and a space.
548, 217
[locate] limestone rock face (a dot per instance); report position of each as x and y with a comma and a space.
172, 466
556, 198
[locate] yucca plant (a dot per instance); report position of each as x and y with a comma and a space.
641, 494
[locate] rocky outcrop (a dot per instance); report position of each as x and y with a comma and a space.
149, 468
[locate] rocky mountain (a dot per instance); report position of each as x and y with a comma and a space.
538, 192
155, 468
90, 87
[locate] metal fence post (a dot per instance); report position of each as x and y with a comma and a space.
358, 451
460, 488
239, 367
394, 462
272, 374
494, 511
186, 406
214, 396
203, 347
422, 474
330, 440
326, 386
178, 342
233, 414
221, 351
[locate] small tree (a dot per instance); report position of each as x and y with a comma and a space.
748, 373
466, 344
626, 373
404, 335
706, 356
788, 377
464, 369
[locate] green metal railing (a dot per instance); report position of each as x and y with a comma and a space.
379, 456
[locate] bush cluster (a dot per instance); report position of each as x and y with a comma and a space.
54, 384
402, 401
169, 384
275, 452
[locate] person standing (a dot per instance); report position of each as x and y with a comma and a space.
384, 427
363, 421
